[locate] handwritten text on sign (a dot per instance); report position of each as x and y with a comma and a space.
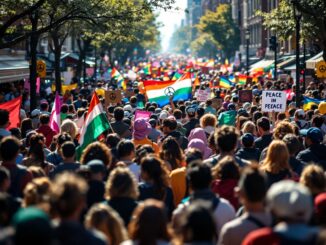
273, 101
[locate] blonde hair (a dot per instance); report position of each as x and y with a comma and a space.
103, 218
277, 157
121, 183
70, 127
249, 127
37, 192
313, 177
208, 120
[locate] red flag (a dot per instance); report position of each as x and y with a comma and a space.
13, 106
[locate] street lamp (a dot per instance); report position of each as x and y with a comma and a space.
247, 37
297, 16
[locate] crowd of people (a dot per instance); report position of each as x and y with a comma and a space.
192, 173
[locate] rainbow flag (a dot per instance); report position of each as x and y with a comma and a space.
160, 92
232, 78
242, 79
308, 102
226, 83
117, 76
176, 76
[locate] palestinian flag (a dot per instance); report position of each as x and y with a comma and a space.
95, 124
117, 76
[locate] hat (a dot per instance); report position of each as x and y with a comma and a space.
247, 139
163, 115
322, 107
127, 108
96, 166
191, 110
35, 113
290, 200
141, 129
157, 110
32, 226
200, 145
300, 112
246, 106
231, 107
314, 134
243, 112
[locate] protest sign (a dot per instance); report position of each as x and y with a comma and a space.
245, 96
142, 114
203, 95
273, 101
113, 97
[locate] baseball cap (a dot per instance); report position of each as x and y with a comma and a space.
191, 110
247, 139
35, 113
290, 200
322, 107
313, 133
96, 166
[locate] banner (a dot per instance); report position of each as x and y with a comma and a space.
13, 106
273, 101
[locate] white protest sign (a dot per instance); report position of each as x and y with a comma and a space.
203, 95
273, 101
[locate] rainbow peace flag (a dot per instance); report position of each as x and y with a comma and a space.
160, 92
117, 76
226, 83
242, 79
308, 102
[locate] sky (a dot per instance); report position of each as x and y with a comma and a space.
170, 19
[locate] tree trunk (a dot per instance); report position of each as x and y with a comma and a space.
57, 58
33, 64
80, 60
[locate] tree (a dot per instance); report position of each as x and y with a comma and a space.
204, 45
222, 28
313, 28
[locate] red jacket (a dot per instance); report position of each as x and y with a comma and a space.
48, 133
225, 189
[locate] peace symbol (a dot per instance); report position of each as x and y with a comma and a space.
169, 91
322, 68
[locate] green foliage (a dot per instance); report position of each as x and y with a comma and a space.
222, 28
204, 46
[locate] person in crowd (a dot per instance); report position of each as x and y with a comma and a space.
276, 164
292, 208
314, 178
248, 151
99, 151
226, 175
141, 130
121, 193
251, 189
249, 128
145, 229
19, 175
226, 139
169, 126
104, 219
4, 123
127, 153
171, 153
155, 134
112, 141
209, 109
193, 121
199, 179
208, 122
55, 157
68, 126
155, 177
300, 119
26, 126
294, 145
68, 200
197, 225
228, 117
263, 128
118, 126
315, 151
45, 129
68, 163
